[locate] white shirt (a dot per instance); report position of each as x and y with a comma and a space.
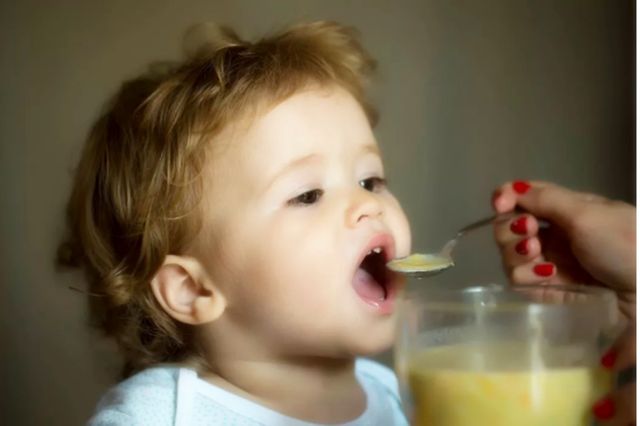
175, 396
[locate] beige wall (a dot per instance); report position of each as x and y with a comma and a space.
472, 93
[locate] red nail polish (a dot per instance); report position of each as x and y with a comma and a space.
519, 226
608, 359
544, 269
604, 409
521, 187
521, 247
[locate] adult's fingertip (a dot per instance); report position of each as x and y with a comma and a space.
608, 360
495, 199
522, 248
544, 269
521, 187
523, 274
604, 409
519, 226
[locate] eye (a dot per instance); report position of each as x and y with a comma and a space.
306, 199
374, 184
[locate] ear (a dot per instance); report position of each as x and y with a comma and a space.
184, 290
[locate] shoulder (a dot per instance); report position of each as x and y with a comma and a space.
378, 373
147, 398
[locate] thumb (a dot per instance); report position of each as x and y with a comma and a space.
551, 202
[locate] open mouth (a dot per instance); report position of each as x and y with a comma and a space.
372, 281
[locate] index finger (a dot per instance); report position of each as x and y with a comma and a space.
542, 199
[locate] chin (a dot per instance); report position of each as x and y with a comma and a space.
378, 340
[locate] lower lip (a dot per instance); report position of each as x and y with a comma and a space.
386, 306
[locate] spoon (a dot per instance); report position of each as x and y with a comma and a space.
420, 265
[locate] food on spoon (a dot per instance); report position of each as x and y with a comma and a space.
420, 263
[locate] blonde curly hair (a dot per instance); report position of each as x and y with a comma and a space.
136, 193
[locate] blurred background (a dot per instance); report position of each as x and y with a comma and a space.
472, 93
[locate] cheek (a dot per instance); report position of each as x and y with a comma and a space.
284, 296
288, 263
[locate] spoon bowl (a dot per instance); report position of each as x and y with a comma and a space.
420, 265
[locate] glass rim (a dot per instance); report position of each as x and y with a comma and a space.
428, 297
514, 288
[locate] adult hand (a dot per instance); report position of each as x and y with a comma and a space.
591, 240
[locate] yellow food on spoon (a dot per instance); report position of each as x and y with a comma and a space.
420, 262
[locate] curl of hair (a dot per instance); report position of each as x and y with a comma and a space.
137, 190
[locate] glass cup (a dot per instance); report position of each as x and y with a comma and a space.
491, 356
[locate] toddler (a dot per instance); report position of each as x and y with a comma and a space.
231, 216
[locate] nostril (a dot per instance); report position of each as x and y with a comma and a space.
364, 205
377, 215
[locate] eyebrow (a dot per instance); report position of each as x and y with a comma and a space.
312, 158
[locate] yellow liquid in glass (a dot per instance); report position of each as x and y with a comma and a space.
446, 395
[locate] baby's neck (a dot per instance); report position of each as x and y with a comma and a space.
319, 390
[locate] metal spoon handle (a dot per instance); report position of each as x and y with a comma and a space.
448, 248
488, 221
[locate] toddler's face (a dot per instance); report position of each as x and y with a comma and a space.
296, 202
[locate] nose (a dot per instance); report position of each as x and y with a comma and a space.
363, 205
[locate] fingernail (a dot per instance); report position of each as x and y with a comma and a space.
604, 409
521, 187
522, 247
608, 359
519, 226
544, 269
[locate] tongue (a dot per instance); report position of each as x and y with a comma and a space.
366, 286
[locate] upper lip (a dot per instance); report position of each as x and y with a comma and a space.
382, 240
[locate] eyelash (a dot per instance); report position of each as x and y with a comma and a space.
303, 199
312, 197
378, 184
